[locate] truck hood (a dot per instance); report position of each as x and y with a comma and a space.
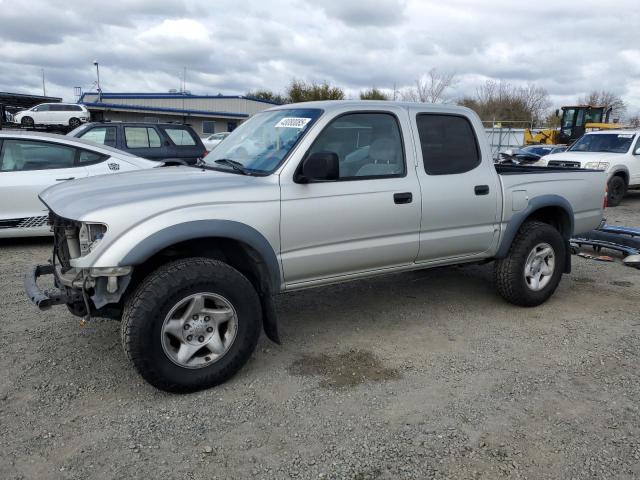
155, 190
583, 157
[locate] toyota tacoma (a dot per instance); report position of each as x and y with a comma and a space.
190, 258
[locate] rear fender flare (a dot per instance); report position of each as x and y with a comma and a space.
534, 205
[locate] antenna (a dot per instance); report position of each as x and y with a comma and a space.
44, 88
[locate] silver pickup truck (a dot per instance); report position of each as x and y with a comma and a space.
303, 195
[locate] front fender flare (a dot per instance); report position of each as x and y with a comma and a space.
207, 228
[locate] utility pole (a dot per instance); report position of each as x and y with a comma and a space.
44, 88
95, 62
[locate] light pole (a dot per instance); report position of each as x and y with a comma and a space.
95, 62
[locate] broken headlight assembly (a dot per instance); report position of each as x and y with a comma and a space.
89, 236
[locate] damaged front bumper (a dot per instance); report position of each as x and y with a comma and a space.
102, 286
44, 299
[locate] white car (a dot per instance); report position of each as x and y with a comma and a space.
31, 162
213, 140
71, 114
617, 152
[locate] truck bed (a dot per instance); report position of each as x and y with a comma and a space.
527, 187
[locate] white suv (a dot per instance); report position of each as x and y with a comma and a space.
617, 152
71, 114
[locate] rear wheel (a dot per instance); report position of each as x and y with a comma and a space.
26, 122
532, 270
191, 324
74, 122
616, 188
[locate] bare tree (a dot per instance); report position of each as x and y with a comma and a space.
634, 120
607, 99
502, 101
430, 88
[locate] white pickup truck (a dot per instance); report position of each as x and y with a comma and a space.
617, 152
303, 195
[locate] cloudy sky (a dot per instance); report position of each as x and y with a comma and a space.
231, 46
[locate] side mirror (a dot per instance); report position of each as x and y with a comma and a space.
319, 167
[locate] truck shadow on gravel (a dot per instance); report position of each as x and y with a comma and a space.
344, 370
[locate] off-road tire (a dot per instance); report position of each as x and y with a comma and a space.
147, 307
27, 122
509, 272
74, 122
616, 190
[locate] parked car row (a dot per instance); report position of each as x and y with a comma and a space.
32, 161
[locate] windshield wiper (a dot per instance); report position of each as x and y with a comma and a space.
237, 166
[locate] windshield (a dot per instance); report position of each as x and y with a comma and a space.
261, 143
609, 142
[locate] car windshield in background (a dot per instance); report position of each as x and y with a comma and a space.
538, 150
261, 143
604, 142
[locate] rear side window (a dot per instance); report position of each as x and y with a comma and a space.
141, 137
448, 144
102, 135
180, 136
88, 158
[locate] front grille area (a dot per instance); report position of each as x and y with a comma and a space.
26, 222
564, 164
59, 227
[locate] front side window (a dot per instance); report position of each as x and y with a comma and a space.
101, 135
448, 144
368, 145
23, 155
603, 142
141, 137
42, 108
261, 143
180, 136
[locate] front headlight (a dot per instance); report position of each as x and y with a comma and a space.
596, 165
89, 236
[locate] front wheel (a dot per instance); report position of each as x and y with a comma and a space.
27, 122
616, 189
191, 324
532, 270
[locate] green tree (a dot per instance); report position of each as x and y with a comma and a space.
300, 91
268, 95
373, 93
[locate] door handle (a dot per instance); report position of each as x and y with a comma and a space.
481, 189
64, 179
404, 197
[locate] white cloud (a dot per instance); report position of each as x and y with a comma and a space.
227, 46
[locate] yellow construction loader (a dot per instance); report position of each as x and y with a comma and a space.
574, 122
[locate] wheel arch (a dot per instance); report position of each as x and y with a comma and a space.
209, 236
621, 172
551, 209
237, 244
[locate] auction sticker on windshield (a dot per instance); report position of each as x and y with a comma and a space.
625, 135
292, 122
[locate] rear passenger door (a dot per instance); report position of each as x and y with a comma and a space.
460, 188
145, 142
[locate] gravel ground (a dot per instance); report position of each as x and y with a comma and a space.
419, 375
